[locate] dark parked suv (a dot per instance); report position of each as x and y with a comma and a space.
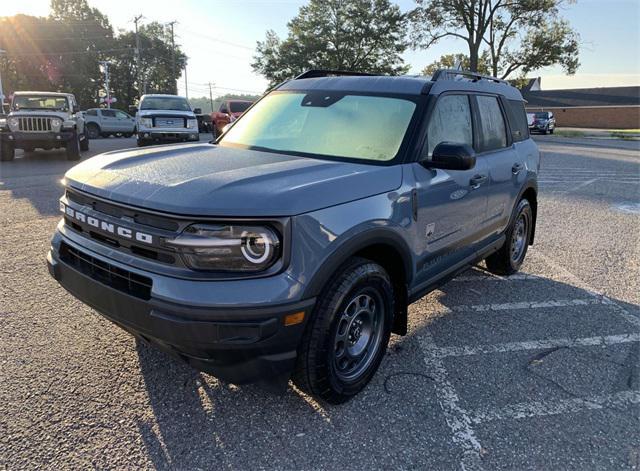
292, 247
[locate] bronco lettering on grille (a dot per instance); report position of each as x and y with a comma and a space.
105, 226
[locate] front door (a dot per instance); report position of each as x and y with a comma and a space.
451, 203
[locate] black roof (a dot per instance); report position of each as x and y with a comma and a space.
604, 96
402, 85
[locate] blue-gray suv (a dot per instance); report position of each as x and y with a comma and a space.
292, 246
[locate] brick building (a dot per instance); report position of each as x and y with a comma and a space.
606, 107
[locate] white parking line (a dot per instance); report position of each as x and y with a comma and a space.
526, 305
601, 341
455, 415
526, 410
578, 283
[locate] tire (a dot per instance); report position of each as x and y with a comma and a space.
84, 143
127, 134
93, 131
510, 257
73, 148
141, 143
7, 152
347, 335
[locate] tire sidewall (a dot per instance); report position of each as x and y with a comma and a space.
370, 275
523, 208
93, 131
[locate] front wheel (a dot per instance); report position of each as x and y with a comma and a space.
347, 336
73, 147
93, 131
510, 257
7, 151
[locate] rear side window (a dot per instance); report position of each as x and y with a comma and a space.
493, 131
109, 113
92, 113
517, 120
450, 122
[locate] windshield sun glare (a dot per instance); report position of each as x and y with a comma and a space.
325, 124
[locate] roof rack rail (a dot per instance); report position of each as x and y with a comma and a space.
444, 74
315, 73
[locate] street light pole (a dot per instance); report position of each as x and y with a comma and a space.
105, 64
186, 85
2, 52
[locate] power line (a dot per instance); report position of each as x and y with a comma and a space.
217, 40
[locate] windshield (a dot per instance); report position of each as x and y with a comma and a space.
325, 124
40, 102
239, 106
165, 103
542, 115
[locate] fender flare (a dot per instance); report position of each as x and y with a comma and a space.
353, 245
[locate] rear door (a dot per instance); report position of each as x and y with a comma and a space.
505, 165
451, 204
125, 122
109, 121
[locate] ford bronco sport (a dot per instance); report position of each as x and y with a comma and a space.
292, 246
43, 120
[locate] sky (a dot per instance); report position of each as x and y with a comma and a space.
219, 37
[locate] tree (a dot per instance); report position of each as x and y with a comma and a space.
518, 35
353, 35
451, 61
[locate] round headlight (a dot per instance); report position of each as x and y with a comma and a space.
14, 124
56, 124
257, 246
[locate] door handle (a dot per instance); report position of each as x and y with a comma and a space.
477, 180
516, 168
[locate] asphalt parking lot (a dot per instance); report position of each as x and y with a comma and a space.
536, 371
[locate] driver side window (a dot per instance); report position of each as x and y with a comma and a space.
450, 122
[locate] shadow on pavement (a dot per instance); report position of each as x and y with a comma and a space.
199, 421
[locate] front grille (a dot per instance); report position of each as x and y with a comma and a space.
112, 276
169, 122
34, 124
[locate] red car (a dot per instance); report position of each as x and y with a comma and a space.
229, 111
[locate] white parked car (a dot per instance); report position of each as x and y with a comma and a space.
107, 122
166, 118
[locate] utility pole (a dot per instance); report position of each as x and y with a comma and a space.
105, 64
135, 20
186, 85
210, 97
2, 51
173, 56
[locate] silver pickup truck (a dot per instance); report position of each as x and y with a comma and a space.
105, 122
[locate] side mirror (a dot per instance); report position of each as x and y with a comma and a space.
452, 156
133, 109
197, 111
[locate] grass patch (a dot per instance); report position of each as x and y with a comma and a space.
568, 133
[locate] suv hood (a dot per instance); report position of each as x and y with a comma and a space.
144, 113
209, 180
50, 113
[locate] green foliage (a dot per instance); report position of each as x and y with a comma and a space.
451, 61
354, 35
516, 35
62, 52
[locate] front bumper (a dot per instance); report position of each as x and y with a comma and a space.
168, 135
36, 139
237, 344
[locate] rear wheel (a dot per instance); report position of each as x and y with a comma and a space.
7, 151
73, 147
93, 131
510, 257
84, 143
347, 336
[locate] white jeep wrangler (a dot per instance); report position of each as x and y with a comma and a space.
43, 120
